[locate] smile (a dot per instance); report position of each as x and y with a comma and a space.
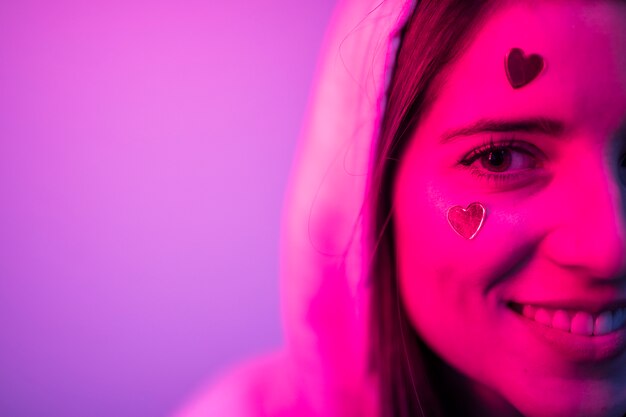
576, 322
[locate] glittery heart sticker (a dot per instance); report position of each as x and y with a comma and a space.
520, 70
467, 222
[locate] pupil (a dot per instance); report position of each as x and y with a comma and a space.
496, 158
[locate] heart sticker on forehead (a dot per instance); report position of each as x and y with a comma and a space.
467, 222
520, 69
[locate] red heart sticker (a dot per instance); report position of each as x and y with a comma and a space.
520, 70
467, 222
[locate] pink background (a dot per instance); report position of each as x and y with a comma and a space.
144, 149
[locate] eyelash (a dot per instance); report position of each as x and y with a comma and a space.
511, 144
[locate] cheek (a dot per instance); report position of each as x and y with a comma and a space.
447, 281
430, 255
429, 262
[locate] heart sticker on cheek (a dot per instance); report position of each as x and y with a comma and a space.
467, 222
520, 69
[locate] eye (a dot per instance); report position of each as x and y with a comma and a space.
501, 157
505, 161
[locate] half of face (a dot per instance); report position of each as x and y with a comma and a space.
533, 306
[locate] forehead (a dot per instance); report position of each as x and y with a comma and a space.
583, 44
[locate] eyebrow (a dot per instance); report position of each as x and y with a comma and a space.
542, 125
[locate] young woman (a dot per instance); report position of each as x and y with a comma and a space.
454, 240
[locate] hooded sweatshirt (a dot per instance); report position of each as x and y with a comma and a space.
322, 370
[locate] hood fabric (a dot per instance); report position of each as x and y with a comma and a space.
324, 257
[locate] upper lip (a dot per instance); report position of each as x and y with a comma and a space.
588, 305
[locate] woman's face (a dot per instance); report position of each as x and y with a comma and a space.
550, 172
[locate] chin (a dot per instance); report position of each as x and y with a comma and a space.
609, 403
583, 410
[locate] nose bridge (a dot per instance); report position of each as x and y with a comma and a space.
593, 219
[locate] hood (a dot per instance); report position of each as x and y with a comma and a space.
323, 255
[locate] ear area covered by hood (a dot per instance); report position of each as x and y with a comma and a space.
324, 254
322, 371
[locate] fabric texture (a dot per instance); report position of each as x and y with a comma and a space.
323, 255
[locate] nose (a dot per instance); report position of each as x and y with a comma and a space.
588, 218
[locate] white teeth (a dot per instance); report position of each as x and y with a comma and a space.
529, 311
579, 322
543, 316
582, 324
561, 321
603, 324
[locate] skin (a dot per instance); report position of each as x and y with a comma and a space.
555, 227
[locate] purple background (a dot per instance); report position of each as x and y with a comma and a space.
144, 150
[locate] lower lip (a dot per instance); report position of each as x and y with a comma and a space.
577, 348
